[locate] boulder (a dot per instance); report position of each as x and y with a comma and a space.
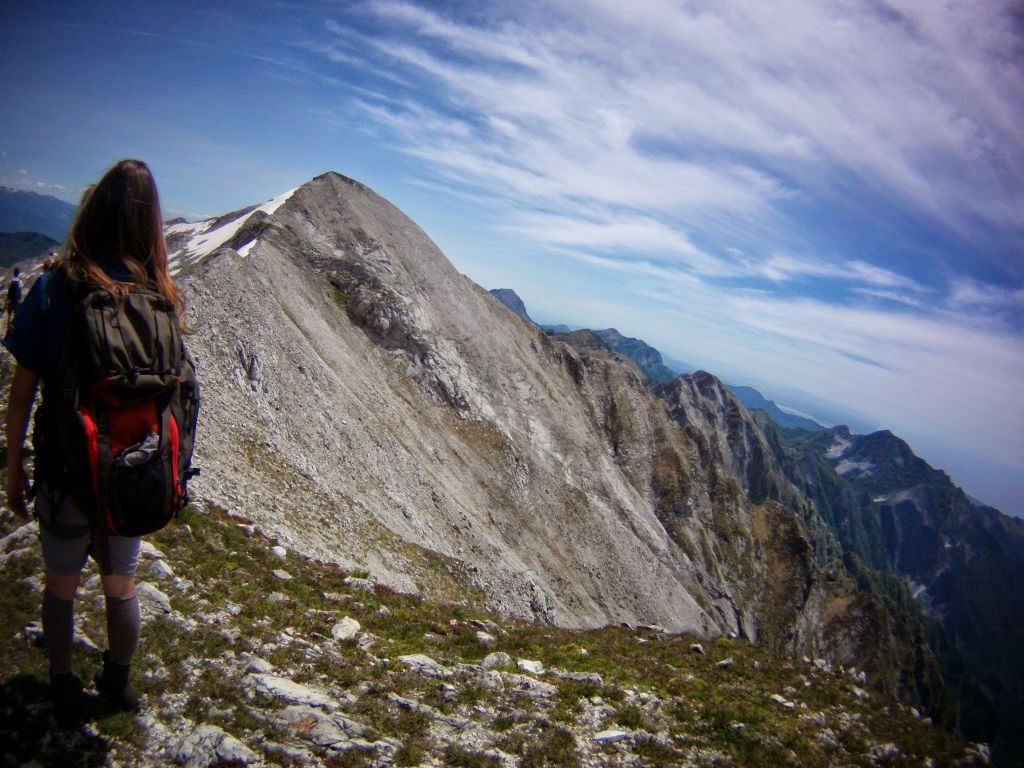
209, 745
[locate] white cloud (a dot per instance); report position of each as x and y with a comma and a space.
782, 267
969, 294
915, 102
676, 146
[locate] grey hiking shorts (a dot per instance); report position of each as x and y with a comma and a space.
68, 538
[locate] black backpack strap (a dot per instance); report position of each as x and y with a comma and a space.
105, 460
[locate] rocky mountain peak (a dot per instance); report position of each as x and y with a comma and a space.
726, 435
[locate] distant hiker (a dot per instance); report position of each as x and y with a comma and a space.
13, 296
113, 436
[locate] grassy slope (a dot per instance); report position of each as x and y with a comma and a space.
680, 707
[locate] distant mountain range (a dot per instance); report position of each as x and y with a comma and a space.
23, 211
653, 365
753, 399
18, 246
963, 562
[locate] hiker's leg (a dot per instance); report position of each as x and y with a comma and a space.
124, 619
59, 619
65, 544
120, 557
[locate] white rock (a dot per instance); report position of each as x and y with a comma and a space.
34, 582
860, 693
84, 640
883, 753
21, 536
32, 631
530, 686
594, 678
782, 702
278, 597
696, 648
248, 530
364, 584
162, 570
15, 554
256, 664
383, 611
425, 665
150, 552
726, 663
610, 736
282, 575
208, 745
532, 667
345, 629
93, 582
160, 674
279, 551
485, 638
313, 726
152, 602
498, 659
288, 690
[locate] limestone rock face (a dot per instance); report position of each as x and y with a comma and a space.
366, 404
400, 404
727, 436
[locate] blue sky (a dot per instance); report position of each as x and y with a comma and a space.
825, 196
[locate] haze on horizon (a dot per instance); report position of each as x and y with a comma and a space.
826, 197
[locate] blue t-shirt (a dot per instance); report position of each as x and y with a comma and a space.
39, 325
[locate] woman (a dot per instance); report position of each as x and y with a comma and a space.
115, 243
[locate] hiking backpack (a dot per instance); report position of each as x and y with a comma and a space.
13, 294
119, 429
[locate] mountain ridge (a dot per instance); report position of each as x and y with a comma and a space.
26, 211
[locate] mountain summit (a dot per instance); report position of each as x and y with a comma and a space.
368, 405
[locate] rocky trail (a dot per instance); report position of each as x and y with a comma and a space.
254, 655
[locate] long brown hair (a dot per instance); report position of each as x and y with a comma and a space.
119, 223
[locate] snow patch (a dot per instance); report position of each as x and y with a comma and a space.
184, 227
847, 465
203, 243
838, 448
913, 495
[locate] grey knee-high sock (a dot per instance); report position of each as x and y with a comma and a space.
123, 623
58, 630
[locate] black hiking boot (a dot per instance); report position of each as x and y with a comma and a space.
68, 700
115, 686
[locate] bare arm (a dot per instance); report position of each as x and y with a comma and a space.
23, 392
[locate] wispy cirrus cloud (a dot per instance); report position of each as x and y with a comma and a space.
829, 192
722, 121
